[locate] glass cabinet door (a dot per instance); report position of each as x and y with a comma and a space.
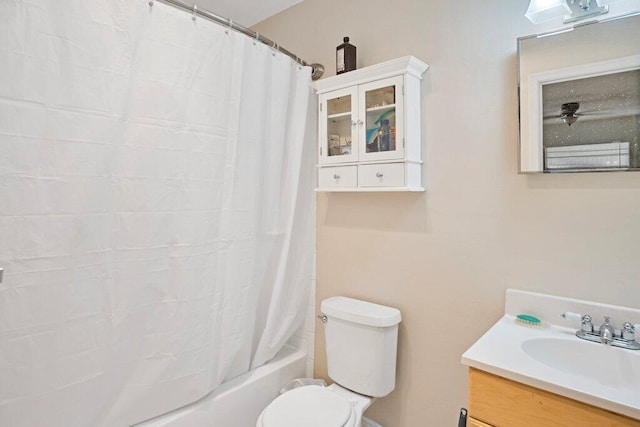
338, 125
381, 108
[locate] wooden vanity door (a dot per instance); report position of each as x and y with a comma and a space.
505, 403
472, 422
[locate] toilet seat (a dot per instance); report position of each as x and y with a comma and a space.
309, 406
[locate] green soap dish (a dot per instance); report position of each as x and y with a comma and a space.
529, 320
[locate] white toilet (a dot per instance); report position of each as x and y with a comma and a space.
361, 342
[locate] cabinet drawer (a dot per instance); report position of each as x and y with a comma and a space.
381, 175
339, 177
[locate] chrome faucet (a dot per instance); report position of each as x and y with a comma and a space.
606, 334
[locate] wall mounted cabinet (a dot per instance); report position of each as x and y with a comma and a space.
369, 128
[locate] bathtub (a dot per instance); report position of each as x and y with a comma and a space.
238, 403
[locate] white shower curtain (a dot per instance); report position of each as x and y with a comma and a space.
156, 209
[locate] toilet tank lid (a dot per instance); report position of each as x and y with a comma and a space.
361, 312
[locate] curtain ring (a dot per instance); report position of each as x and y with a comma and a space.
257, 39
194, 12
151, 3
229, 28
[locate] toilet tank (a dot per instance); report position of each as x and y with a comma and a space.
361, 340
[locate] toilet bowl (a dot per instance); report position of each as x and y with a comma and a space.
361, 340
316, 406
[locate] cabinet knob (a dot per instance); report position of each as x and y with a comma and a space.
353, 123
379, 175
360, 122
336, 176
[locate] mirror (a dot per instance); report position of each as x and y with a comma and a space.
579, 93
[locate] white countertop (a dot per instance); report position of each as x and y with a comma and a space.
602, 376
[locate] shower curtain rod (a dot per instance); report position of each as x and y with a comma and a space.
317, 70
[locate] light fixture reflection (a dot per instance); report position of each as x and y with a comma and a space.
540, 11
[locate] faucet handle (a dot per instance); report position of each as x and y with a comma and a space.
587, 323
576, 317
629, 331
585, 320
607, 322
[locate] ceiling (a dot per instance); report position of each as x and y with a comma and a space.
245, 12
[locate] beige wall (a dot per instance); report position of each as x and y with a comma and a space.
445, 257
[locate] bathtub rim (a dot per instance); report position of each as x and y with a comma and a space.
288, 355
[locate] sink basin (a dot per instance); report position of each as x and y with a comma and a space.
609, 366
553, 359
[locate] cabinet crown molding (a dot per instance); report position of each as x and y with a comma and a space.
407, 64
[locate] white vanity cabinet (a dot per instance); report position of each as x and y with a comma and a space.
369, 128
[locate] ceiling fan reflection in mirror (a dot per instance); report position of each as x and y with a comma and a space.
569, 113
